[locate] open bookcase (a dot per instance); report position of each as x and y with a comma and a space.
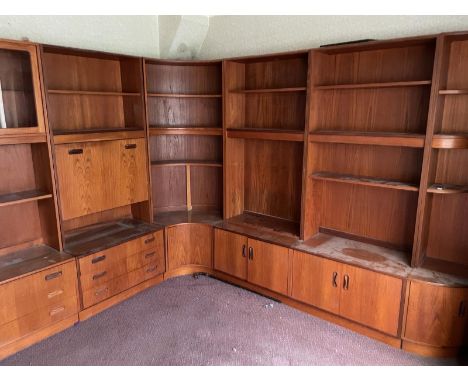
367, 128
443, 235
184, 115
265, 118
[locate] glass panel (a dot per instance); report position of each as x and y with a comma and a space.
17, 106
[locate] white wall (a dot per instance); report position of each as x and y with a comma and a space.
135, 35
230, 36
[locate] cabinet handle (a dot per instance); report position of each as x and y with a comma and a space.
99, 291
75, 151
152, 269
335, 275
130, 146
99, 275
53, 276
57, 310
147, 241
346, 282
98, 259
57, 292
151, 254
462, 309
251, 253
244, 251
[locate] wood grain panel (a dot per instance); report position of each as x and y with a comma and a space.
169, 188
230, 253
206, 187
181, 147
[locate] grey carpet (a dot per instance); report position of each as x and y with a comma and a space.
187, 321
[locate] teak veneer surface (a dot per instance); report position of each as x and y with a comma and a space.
184, 217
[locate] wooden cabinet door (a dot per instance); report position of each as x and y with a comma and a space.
437, 315
268, 266
189, 244
230, 254
316, 281
371, 298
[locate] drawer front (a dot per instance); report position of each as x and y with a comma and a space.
37, 320
38, 291
121, 283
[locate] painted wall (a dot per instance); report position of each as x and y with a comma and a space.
230, 36
135, 35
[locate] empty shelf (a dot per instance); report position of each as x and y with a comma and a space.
368, 138
273, 90
23, 197
373, 85
93, 93
206, 163
450, 141
439, 188
267, 134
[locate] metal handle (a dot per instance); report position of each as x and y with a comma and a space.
244, 251
152, 269
98, 259
462, 309
149, 240
130, 146
57, 310
99, 275
251, 253
346, 282
75, 151
53, 275
334, 283
151, 254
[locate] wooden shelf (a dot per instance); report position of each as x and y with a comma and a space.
179, 95
450, 141
186, 130
186, 163
368, 138
266, 134
364, 181
26, 137
92, 93
182, 217
26, 261
273, 90
439, 188
23, 197
374, 85
453, 92
94, 135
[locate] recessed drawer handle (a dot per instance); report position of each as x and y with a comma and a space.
334, 283
99, 275
130, 146
152, 269
244, 250
150, 240
346, 282
151, 254
98, 259
53, 275
55, 293
102, 290
75, 151
57, 310
462, 309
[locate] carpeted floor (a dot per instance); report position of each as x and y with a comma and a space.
188, 321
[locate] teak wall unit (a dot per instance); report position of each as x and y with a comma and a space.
333, 180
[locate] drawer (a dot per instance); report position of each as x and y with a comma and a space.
121, 283
37, 291
44, 317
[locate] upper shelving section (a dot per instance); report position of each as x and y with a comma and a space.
92, 93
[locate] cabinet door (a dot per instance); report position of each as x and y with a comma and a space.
268, 266
437, 315
230, 254
189, 244
371, 299
316, 281
132, 181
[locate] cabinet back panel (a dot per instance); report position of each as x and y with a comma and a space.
19, 224
203, 112
411, 63
206, 187
185, 79
451, 167
98, 217
186, 147
402, 110
454, 115
16, 168
280, 73
360, 211
393, 163
457, 75
169, 188
448, 228
273, 178
275, 111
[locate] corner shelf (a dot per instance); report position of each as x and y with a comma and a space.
185, 130
364, 181
453, 92
93, 93
266, 134
374, 85
440, 188
368, 138
23, 197
450, 141
205, 163
185, 95
271, 90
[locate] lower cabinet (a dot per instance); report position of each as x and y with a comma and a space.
259, 263
437, 315
189, 244
360, 295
